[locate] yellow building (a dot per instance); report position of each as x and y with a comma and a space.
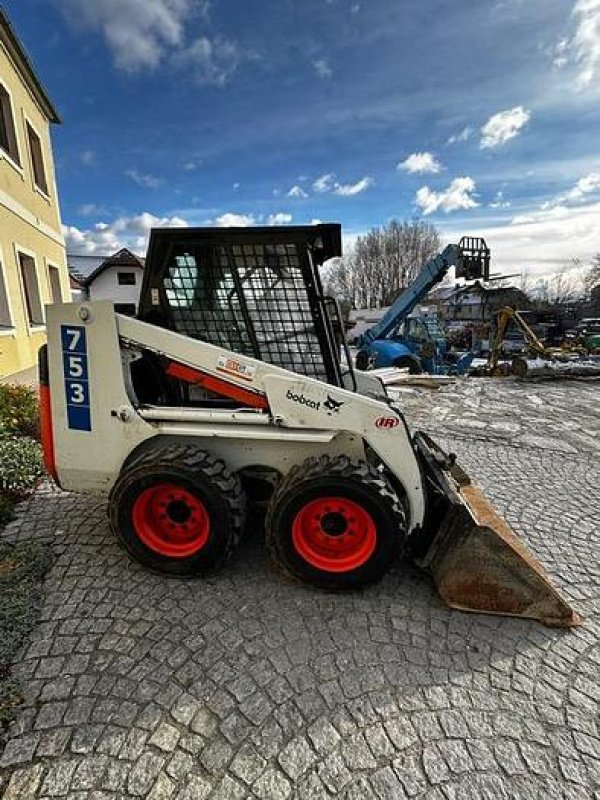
33, 269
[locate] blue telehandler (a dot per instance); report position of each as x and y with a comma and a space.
418, 343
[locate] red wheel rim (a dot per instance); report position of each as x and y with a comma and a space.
171, 521
334, 534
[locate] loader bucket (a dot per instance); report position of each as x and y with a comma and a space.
477, 562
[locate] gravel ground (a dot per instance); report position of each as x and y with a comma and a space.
246, 686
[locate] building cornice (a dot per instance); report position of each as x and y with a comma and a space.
16, 51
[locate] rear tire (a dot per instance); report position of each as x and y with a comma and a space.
335, 523
178, 510
414, 367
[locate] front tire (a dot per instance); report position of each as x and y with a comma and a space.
178, 510
335, 523
362, 360
413, 364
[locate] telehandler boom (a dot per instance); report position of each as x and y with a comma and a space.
230, 384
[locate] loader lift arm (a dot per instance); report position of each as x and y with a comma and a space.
470, 256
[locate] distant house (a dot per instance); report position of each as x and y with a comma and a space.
478, 303
117, 278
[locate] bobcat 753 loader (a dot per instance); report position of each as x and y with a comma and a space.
229, 384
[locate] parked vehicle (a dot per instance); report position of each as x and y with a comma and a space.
231, 377
404, 339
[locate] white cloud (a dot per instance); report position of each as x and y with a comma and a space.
322, 68
139, 33
144, 34
297, 191
586, 185
144, 179
458, 195
586, 42
349, 189
236, 186
499, 201
213, 61
190, 166
502, 127
316, 221
589, 184
233, 220
281, 218
420, 163
106, 238
327, 183
463, 136
89, 209
543, 241
324, 183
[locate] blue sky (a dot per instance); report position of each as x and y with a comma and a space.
477, 116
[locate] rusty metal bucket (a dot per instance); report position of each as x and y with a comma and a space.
477, 562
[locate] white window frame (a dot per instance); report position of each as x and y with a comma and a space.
32, 327
27, 121
7, 330
3, 153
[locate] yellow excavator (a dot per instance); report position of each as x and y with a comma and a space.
557, 361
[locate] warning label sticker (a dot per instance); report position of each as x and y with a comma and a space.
232, 366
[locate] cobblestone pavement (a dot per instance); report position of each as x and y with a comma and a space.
246, 686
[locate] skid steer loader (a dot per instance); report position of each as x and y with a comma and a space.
229, 384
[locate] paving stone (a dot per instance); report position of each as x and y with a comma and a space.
116, 776
387, 785
401, 732
216, 756
297, 757
53, 742
248, 764
324, 736
360, 790
180, 765
144, 773
163, 788
334, 773
434, 765
19, 751
356, 753
229, 789
89, 772
165, 738
58, 778
24, 783
195, 788
272, 785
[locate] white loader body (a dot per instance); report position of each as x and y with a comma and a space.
98, 424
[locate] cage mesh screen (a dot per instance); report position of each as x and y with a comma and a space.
249, 298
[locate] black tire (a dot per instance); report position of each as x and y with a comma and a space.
319, 480
362, 360
413, 364
203, 485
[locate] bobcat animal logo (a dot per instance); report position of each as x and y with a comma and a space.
332, 406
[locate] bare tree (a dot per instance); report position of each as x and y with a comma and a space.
592, 279
563, 286
383, 263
